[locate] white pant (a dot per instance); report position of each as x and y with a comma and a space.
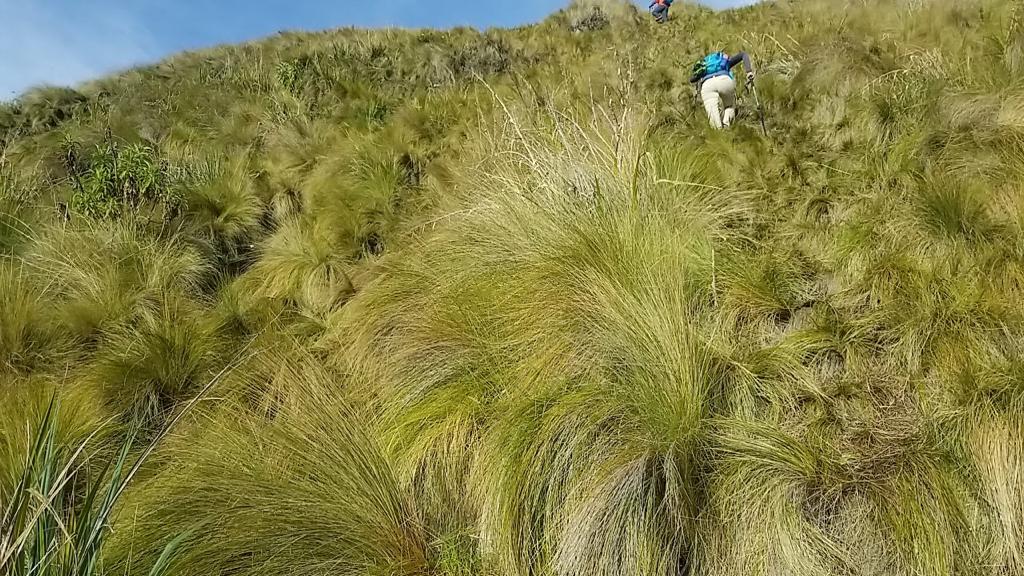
719, 96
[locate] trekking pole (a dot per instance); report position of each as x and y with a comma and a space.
696, 100
760, 109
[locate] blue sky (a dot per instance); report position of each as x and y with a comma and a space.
68, 41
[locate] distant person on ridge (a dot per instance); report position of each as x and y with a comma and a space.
717, 86
659, 9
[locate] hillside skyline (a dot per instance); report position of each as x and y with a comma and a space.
67, 42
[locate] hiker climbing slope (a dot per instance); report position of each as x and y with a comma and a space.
717, 86
659, 9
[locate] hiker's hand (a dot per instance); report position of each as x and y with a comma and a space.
750, 78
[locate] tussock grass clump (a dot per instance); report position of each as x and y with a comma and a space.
221, 202
29, 335
80, 416
162, 359
581, 390
344, 511
300, 265
102, 276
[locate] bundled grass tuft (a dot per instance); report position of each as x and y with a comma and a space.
160, 361
307, 482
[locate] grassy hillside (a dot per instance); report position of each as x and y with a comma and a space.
500, 303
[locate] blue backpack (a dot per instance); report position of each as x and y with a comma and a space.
715, 62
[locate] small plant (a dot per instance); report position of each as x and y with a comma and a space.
377, 112
51, 528
287, 74
117, 180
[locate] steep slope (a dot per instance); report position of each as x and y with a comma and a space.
501, 303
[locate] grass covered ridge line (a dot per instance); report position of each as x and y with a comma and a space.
500, 303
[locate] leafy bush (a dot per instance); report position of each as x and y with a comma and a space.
117, 180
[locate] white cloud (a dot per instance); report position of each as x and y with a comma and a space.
65, 43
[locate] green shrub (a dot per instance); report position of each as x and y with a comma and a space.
116, 181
